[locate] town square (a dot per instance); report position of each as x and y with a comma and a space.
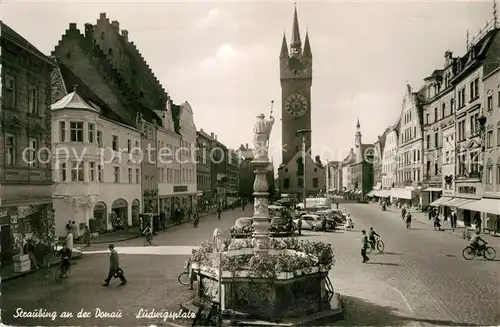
173, 164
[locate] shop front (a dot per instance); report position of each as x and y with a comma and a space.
431, 191
489, 209
119, 214
100, 222
402, 196
18, 223
183, 199
469, 192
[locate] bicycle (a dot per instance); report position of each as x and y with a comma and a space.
379, 245
183, 278
59, 272
148, 239
486, 252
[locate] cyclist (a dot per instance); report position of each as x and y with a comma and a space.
403, 212
65, 254
148, 233
371, 237
476, 242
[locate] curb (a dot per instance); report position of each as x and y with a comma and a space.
140, 235
32, 271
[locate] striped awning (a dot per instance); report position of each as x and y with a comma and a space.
442, 200
371, 194
484, 205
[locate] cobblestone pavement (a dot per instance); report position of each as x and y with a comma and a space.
152, 282
420, 279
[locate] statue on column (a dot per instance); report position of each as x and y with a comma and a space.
262, 132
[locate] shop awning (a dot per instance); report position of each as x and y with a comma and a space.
433, 189
382, 193
371, 194
401, 193
442, 200
456, 202
484, 205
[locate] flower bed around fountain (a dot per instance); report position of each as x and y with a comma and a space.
288, 281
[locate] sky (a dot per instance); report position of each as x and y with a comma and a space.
222, 57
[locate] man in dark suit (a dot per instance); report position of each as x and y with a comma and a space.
114, 267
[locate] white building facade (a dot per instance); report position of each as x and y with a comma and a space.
389, 159
96, 167
409, 151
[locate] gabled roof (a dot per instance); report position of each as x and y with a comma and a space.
350, 159
16, 38
299, 154
73, 101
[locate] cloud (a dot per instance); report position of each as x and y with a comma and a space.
231, 59
209, 20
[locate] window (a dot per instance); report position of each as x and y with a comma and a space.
62, 131
33, 148
461, 130
489, 139
99, 138
286, 183
428, 168
11, 150
76, 131
77, 174
100, 174
301, 182
10, 91
33, 100
452, 106
92, 171
130, 175
489, 105
461, 98
129, 145
476, 88
443, 110
474, 125
136, 143
498, 97
436, 168
474, 162
62, 171
428, 118
137, 176
436, 118
315, 182
116, 171
489, 175
498, 175
91, 132
436, 140
498, 136
115, 143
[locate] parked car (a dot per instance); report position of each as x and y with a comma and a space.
331, 222
242, 228
310, 222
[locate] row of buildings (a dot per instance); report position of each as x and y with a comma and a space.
444, 149
90, 135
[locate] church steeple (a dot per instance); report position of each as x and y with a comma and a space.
357, 137
296, 44
307, 47
284, 48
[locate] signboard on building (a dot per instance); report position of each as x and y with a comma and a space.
468, 190
180, 188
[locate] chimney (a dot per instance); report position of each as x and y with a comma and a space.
116, 25
246, 146
89, 30
169, 104
72, 26
216, 137
102, 16
352, 150
212, 135
201, 130
125, 35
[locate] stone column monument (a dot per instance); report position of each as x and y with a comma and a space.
260, 162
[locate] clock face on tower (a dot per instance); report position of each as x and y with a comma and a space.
296, 105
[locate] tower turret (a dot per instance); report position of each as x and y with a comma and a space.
284, 48
307, 47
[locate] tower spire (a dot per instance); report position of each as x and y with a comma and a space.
296, 44
307, 47
284, 48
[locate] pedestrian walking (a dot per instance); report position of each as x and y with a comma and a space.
114, 267
477, 222
364, 246
69, 241
453, 220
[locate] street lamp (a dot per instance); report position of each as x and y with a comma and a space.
303, 132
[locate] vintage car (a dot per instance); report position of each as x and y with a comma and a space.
242, 228
331, 222
310, 222
281, 221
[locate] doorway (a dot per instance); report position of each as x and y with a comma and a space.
6, 243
